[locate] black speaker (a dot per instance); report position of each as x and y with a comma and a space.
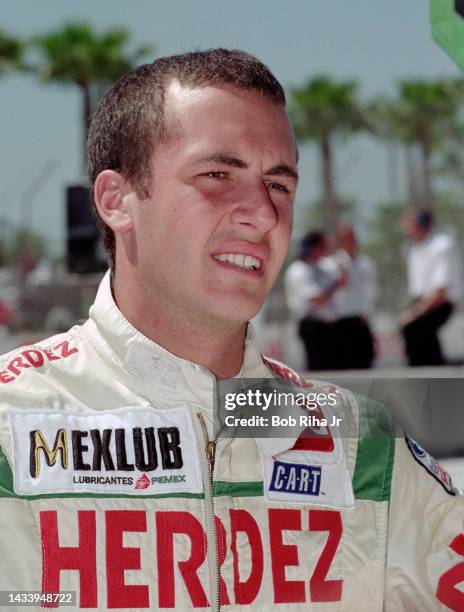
84, 252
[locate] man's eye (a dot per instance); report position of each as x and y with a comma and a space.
216, 174
277, 186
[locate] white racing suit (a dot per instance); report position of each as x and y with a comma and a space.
111, 487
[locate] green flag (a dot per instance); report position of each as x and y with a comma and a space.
448, 27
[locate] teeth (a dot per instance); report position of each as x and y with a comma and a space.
242, 261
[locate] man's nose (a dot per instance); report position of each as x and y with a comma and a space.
256, 210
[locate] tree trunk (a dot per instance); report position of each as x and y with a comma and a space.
426, 171
410, 177
393, 189
86, 117
330, 211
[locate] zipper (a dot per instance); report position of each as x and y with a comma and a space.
210, 451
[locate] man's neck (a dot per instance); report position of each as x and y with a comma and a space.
215, 346
424, 236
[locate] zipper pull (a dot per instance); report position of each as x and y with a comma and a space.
211, 454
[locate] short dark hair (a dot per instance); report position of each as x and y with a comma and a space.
311, 240
424, 218
130, 117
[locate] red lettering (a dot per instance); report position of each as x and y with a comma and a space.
49, 354
17, 363
447, 593
64, 350
120, 558
81, 558
167, 524
5, 377
320, 588
222, 552
330, 388
283, 555
246, 591
35, 358
286, 373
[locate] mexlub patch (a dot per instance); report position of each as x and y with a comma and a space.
296, 478
132, 450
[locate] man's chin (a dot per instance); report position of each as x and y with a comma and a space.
238, 311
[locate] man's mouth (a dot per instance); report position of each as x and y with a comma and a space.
241, 261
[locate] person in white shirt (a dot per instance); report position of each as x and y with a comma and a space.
311, 282
354, 302
435, 285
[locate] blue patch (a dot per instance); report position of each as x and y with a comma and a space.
431, 465
417, 450
296, 478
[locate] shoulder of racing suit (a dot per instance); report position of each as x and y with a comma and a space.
424, 560
374, 431
40, 358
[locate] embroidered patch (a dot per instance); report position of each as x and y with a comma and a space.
431, 465
307, 482
134, 450
296, 478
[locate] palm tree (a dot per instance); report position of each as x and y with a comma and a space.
427, 112
452, 154
11, 52
321, 110
422, 116
78, 55
384, 120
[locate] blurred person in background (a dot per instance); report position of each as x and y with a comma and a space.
354, 302
434, 284
311, 283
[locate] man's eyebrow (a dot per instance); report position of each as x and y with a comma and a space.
235, 162
224, 158
283, 170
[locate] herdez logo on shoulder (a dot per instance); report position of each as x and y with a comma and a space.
135, 450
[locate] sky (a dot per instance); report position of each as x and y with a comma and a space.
377, 43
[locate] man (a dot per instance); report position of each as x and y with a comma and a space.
110, 483
435, 285
311, 284
354, 302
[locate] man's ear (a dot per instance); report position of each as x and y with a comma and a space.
112, 193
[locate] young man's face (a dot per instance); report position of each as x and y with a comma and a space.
410, 227
213, 234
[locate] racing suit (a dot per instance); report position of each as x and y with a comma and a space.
111, 486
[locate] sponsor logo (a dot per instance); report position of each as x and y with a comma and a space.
431, 465
91, 449
417, 450
168, 479
126, 450
262, 552
35, 358
143, 482
286, 373
449, 592
296, 478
